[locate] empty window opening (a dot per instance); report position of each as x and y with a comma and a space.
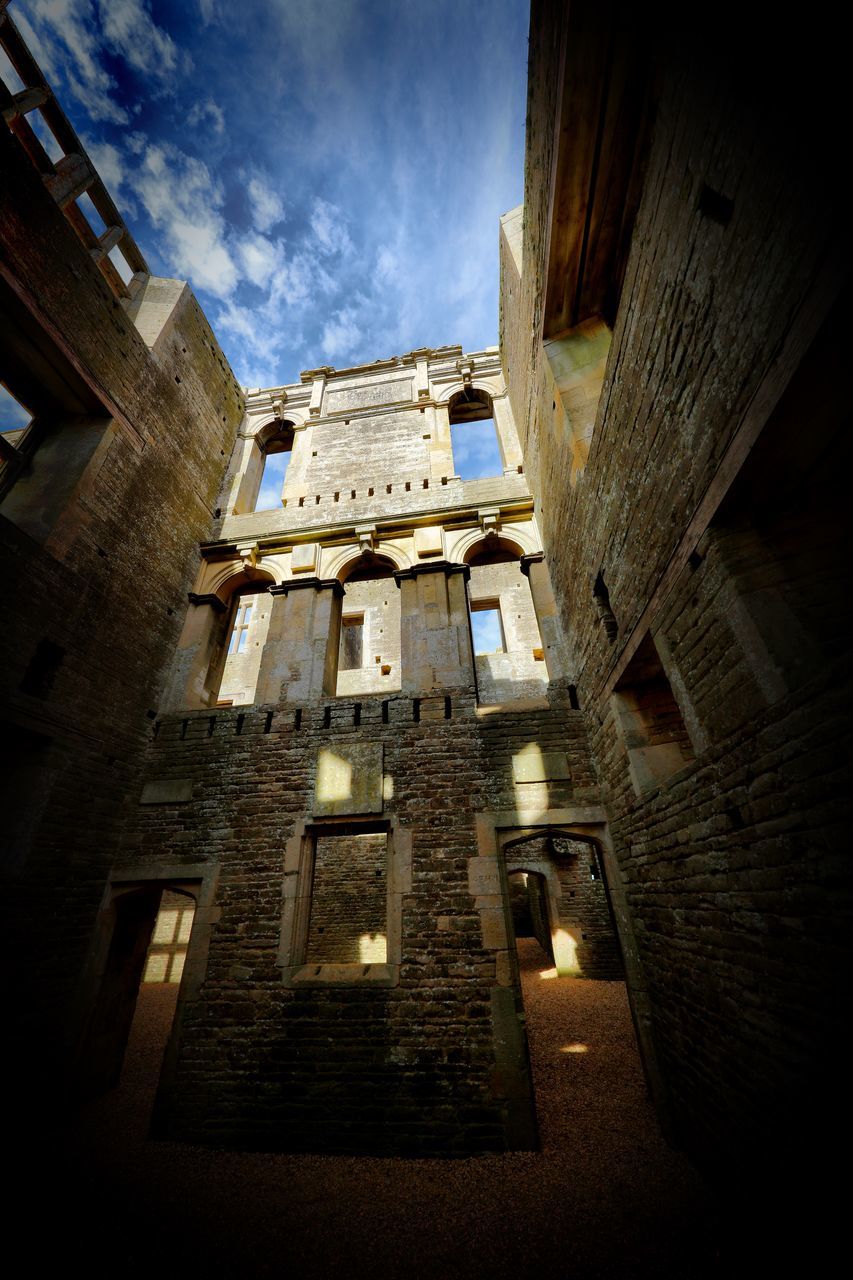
650, 721
240, 631
42, 669
14, 420
352, 642
123, 267
504, 627
50, 423
369, 650
245, 635
474, 440
349, 900
601, 596
275, 452
487, 627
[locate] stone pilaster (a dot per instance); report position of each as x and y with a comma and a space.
437, 655
188, 687
534, 568
299, 660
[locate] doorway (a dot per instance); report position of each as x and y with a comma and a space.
145, 936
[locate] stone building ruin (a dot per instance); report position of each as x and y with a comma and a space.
279, 711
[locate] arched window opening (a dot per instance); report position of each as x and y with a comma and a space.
246, 632
369, 652
473, 435
275, 445
508, 652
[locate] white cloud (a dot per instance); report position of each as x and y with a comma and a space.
183, 202
330, 229
209, 11
257, 343
107, 159
132, 33
259, 258
387, 264
341, 334
207, 110
62, 36
265, 204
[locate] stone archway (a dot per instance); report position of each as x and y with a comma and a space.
581, 931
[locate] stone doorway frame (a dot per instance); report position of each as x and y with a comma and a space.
199, 880
487, 877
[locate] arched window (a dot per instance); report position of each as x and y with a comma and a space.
239, 656
508, 652
369, 653
474, 439
275, 448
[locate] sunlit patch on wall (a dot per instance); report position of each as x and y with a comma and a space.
373, 948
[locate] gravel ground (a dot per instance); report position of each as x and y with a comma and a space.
605, 1196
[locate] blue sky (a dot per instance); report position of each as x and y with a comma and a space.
328, 174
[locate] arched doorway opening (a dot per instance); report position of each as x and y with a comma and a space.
567, 895
529, 910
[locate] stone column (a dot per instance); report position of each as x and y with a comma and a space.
188, 688
300, 657
534, 568
435, 631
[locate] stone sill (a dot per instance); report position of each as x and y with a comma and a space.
511, 708
342, 975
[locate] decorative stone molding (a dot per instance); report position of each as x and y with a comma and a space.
215, 602
318, 584
436, 566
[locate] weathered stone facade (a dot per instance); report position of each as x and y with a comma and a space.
338, 778
682, 366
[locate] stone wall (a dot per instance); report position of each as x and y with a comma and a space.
93, 601
519, 671
712, 515
413, 1066
349, 910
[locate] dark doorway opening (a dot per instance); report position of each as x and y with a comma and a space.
528, 903
149, 927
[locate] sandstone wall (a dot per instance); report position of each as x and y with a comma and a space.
725, 336
414, 1066
92, 605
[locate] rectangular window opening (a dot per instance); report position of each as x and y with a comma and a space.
476, 453
352, 642
487, 627
650, 721
348, 922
